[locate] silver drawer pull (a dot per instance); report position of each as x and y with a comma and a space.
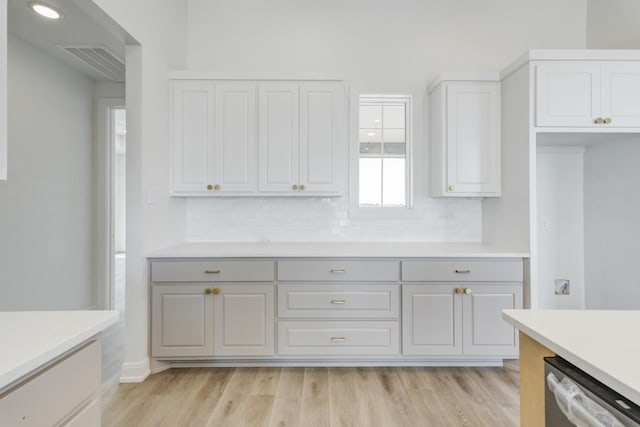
338, 301
338, 271
463, 271
212, 271
338, 339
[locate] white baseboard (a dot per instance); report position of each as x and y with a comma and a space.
135, 372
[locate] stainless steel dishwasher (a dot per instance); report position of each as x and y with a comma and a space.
574, 398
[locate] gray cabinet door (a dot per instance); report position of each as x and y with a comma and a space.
243, 320
485, 332
181, 321
431, 320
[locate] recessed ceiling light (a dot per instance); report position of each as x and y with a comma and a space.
371, 134
45, 10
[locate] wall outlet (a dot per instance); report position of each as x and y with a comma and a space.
562, 287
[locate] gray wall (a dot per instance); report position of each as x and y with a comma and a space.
46, 211
613, 24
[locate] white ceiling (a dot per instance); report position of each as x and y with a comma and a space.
76, 28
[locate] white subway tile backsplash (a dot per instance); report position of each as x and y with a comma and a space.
327, 219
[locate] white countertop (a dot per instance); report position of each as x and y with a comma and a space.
604, 344
30, 339
335, 249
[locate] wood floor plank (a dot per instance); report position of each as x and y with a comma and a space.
342, 398
229, 410
287, 404
315, 398
420, 397
322, 397
266, 382
209, 393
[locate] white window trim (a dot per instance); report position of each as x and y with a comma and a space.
355, 210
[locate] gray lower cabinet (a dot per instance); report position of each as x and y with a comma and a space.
459, 319
484, 332
334, 308
243, 320
212, 320
181, 320
338, 337
431, 320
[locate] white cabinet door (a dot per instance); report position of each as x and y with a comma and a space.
181, 321
431, 320
485, 332
244, 322
322, 136
235, 162
621, 94
567, 94
278, 136
473, 139
192, 118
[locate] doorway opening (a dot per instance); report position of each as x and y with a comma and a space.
119, 196
111, 204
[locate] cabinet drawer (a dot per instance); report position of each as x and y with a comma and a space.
462, 270
338, 301
327, 338
53, 394
212, 271
339, 270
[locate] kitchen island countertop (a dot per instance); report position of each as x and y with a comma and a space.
603, 343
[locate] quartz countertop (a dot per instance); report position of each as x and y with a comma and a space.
603, 343
335, 249
31, 339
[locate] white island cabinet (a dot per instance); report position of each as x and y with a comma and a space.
274, 304
50, 368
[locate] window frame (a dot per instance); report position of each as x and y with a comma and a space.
381, 212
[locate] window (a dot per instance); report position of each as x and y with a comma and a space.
384, 152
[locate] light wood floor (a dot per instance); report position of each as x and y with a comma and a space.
309, 397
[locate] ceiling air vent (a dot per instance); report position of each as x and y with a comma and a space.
100, 59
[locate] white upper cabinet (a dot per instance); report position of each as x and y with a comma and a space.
235, 150
591, 94
279, 135
621, 93
213, 137
192, 119
258, 138
301, 138
321, 134
465, 139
